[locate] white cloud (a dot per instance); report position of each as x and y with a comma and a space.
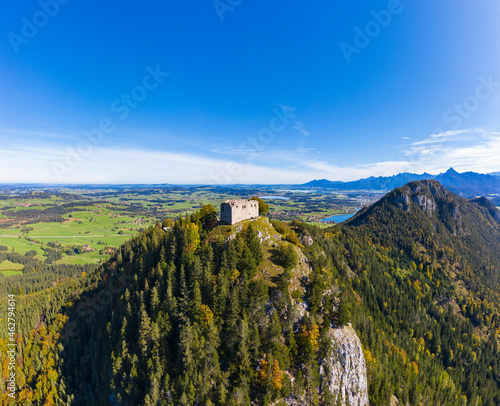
299, 126
108, 165
39, 163
466, 150
244, 149
6, 133
447, 136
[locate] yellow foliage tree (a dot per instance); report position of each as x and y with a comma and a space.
192, 237
312, 334
277, 375
206, 314
263, 372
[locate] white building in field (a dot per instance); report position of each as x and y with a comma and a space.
233, 211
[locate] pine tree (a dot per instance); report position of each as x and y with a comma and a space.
253, 243
242, 354
144, 332
343, 315
155, 300
185, 352
196, 302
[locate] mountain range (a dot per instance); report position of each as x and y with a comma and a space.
466, 184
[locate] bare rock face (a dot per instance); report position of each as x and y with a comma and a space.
403, 202
344, 370
306, 240
428, 205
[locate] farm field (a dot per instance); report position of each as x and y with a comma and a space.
8, 268
84, 224
10, 273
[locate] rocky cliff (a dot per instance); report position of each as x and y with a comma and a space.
343, 372
344, 369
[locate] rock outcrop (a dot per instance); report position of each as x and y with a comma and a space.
402, 201
306, 240
428, 205
344, 370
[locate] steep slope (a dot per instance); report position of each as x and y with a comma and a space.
344, 367
442, 280
425, 218
231, 316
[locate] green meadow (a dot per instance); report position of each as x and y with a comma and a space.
10, 266
103, 218
96, 226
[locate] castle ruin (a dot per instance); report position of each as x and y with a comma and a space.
234, 211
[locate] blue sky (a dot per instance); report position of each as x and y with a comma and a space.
232, 91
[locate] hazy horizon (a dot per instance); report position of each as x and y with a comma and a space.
201, 184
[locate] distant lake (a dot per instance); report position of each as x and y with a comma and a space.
297, 190
340, 218
275, 197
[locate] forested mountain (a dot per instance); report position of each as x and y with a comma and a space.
467, 184
432, 223
188, 313
447, 249
188, 316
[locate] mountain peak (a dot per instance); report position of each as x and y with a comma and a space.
423, 193
426, 196
428, 202
451, 171
427, 185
